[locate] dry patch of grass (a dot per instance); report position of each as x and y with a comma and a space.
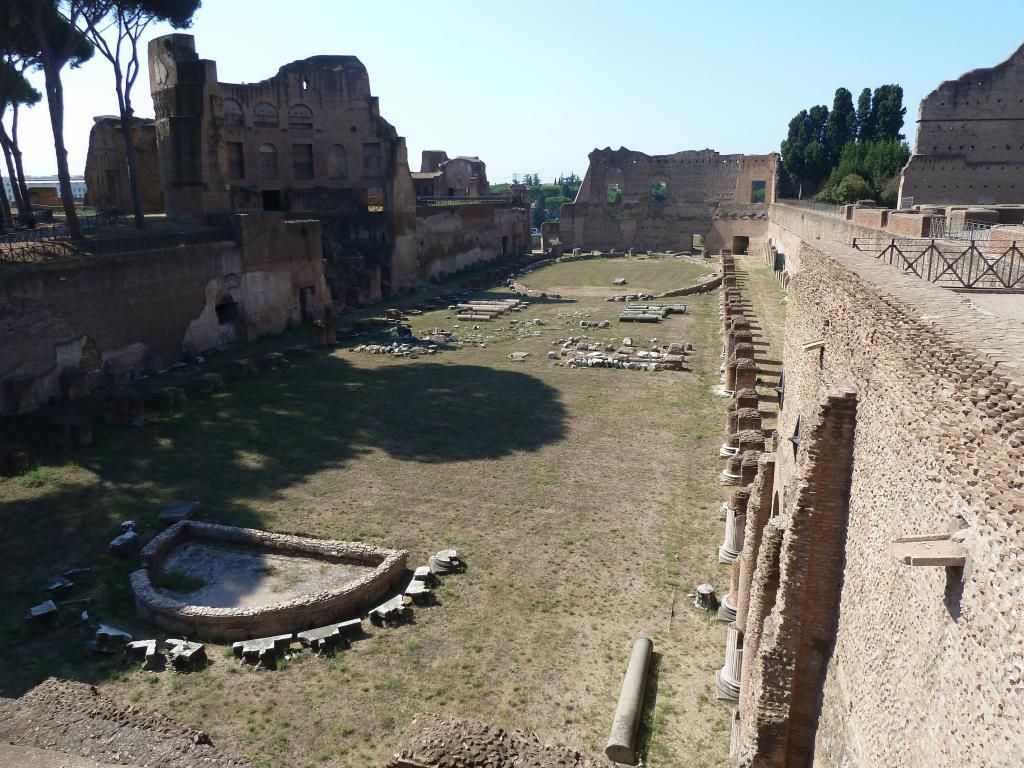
584, 500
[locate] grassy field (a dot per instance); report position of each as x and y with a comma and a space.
585, 501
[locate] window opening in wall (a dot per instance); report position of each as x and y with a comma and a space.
268, 161
305, 84
302, 161
233, 116
273, 200
236, 160
821, 359
614, 194
757, 191
504, 246
300, 117
264, 115
337, 162
375, 200
227, 319
659, 192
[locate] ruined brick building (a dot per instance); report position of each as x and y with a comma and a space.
106, 166
970, 139
441, 176
659, 202
311, 142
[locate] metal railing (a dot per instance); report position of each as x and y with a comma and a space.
54, 248
482, 199
947, 264
828, 209
968, 231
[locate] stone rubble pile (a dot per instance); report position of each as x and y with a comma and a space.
650, 313
577, 353
487, 310
630, 297
436, 741
73, 721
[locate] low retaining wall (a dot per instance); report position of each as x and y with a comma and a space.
306, 612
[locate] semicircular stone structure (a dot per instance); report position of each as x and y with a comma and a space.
219, 582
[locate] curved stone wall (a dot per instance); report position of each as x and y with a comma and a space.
240, 623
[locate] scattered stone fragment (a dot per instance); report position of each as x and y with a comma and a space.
323, 640
704, 597
144, 651
127, 544
518, 357
262, 651
619, 281
59, 585
446, 561
424, 574
419, 592
390, 613
45, 608
109, 640
178, 511
186, 656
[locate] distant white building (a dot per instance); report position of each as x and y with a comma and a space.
77, 185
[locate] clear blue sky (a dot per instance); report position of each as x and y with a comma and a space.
534, 85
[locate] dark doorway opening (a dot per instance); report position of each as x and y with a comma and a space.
227, 311
307, 303
273, 200
740, 244
504, 246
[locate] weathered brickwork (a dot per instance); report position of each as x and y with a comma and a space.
659, 202
923, 669
106, 166
970, 139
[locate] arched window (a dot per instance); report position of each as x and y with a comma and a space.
233, 116
337, 162
301, 117
268, 161
264, 115
659, 192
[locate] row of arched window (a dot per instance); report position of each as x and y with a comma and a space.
264, 115
302, 160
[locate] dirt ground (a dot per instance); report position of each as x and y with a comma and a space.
585, 502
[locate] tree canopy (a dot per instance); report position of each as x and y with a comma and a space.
823, 148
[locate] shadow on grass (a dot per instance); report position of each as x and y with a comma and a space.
249, 444
652, 722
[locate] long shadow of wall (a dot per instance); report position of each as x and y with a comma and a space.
249, 444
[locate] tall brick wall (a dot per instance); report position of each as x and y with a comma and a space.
696, 183
144, 310
924, 672
970, 139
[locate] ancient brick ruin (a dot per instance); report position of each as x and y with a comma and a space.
970, 140
106, 167
311, 142
659, 202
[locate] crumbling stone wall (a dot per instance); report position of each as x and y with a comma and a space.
450, 238
143, 310
923, 668
659, 202
970, 139
106, 166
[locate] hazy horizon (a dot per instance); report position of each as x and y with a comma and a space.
534, 87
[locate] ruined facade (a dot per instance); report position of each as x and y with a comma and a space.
970, 139
659, 202
441, 176
310, 142
876, 598
181, 300
106, 166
